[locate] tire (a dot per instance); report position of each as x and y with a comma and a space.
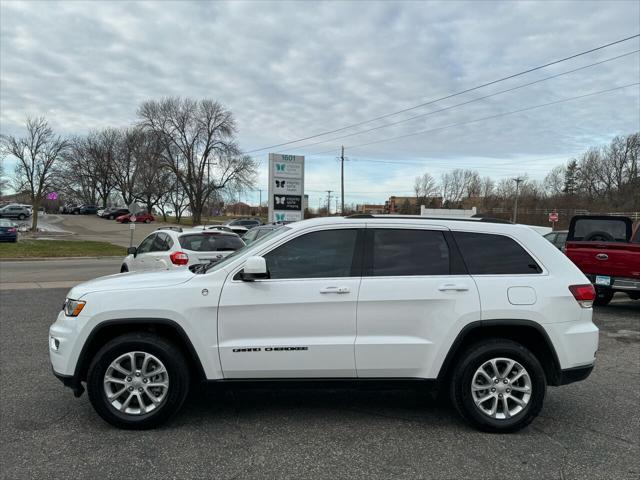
147, 221
124, 269
21, 216
144, 345
464, 376
603, 297
111, 217
599, 236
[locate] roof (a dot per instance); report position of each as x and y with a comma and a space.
465, 224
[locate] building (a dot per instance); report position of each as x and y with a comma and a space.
410, 205
371, 209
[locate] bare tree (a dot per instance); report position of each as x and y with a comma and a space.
37, 154
425, 188
198, 146
153, 177
459, 183
3, 180
554, 181
126, 163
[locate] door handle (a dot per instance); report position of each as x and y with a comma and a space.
456, 287
334, 290
602, 256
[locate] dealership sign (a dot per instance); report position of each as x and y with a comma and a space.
286, 187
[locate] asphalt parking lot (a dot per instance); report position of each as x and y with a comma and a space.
586, 430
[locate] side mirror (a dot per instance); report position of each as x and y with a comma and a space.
132, 251
254, 268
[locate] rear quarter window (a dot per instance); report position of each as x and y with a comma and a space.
491, 254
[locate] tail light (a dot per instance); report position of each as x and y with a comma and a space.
584, 294
12, 230
179, 258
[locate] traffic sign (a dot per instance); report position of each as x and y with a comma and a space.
132, 218
553, 217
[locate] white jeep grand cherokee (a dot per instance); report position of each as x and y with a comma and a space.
491, 311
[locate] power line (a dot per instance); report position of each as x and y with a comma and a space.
490, 117
486, 84
451, 107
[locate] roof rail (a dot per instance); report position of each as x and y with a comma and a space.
175, 229
419, 217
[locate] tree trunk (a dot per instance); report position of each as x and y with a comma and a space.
34, 217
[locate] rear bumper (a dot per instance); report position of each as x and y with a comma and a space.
576, 374
619, 283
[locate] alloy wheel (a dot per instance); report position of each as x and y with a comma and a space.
501, 388
136, 383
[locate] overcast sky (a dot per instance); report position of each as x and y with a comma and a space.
288, 70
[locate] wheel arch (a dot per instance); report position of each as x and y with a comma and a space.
526, 332
110, 329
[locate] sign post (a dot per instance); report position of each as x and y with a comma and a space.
553, 218
286, 188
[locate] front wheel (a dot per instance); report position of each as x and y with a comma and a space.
147, 221
498, 386
138, 381
21, 216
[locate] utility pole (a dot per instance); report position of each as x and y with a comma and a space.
329, 192
518, 180
341, 182
260, 203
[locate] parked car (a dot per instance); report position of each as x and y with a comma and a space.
8, 231
114, 212
15, 211
88, 210
244, 222
607, 250
173, 247
558, 238
139, 218
259, 232
493, 313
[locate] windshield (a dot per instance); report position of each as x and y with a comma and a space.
246, 249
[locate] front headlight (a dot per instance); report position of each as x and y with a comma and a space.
72, 308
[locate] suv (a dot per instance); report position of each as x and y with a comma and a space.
491, 312
173, 247
114, 212
15, 211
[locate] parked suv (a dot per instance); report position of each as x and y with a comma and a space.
15, 211
174, 247
492, 313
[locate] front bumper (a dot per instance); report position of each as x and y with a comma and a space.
70, 381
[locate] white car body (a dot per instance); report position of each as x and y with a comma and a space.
340, 327
160, 259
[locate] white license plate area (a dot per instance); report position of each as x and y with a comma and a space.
603, 280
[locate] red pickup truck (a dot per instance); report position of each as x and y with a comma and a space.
607, 250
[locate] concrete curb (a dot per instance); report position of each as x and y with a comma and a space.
46, 259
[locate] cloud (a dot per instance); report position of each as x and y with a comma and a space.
292, 69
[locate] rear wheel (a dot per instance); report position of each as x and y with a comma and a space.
498, 386
22, 216
147, 220
603, 297
111, 217
138, 381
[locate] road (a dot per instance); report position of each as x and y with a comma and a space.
65, 273
92, 227
586, 430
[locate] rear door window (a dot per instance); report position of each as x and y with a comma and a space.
404, 252
490, 254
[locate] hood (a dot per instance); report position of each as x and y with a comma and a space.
132, 281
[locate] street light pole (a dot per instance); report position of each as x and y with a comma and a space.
518, 180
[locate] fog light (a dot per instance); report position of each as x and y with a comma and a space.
54, 343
